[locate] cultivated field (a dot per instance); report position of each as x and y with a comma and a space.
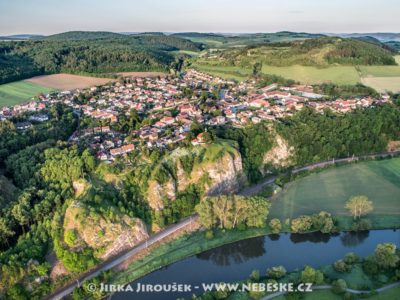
330, 189
312, 75
20, 92
67, 81
383, 84
141, 74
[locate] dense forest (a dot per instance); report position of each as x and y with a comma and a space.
317, 137
81, 52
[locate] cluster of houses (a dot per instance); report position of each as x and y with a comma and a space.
173, 104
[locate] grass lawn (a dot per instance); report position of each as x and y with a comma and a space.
20, 92
380, 71
330, 189
355, 279
390, 294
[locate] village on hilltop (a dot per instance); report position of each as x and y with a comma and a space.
173, 104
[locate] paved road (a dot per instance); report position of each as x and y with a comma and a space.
113, 262
327, 287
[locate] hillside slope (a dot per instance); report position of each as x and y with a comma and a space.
322, 52
90, 52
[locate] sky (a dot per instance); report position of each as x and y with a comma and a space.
229, 16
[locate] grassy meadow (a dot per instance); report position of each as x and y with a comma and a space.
20, 92
382, 78
330, 189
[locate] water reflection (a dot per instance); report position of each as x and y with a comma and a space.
231, 263
314, 237
274, 237
353, 238
235, 253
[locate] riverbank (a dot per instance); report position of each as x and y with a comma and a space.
196, 243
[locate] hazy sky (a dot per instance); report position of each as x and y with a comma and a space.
53, 16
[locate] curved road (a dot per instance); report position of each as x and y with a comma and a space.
115, 261
327, 287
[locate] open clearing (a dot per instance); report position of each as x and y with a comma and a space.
330, 189
67, 81
312, 75
20, 92
141, 74
383, 84
304, 74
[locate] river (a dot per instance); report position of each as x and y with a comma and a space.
235, 262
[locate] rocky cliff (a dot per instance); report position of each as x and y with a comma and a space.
217, 168
106, 236
280, 155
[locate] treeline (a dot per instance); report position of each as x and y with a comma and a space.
345, 91
317, 137
23, 59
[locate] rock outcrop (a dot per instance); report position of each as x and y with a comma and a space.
280, 155
102, 234
224, 174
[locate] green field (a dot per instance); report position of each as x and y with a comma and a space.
382, 78
311, 75
330, 189
19, 92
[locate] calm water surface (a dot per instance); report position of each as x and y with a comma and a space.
236, 261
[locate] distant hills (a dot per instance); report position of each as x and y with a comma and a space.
91, 52
26, 55
21, 37
382, 36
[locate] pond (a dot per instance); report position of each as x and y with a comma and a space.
235, 262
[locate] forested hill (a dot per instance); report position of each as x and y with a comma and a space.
94, 52
322, 51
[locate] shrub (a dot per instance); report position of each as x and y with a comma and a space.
351, 258
275, 225
209, 235
276, 272
339, 286
341, 266
370, 266
361, 225
70, 237
310, 275
301, 224
255, 275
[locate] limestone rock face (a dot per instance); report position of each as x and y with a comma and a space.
223, 175
281, 154
99, 232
